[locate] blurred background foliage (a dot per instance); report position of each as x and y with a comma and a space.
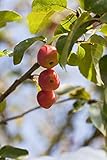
43, 131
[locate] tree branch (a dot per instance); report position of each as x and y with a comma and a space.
4, 121
18, 82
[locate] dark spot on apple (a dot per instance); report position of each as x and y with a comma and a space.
51, 63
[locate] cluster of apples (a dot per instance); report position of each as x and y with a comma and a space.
48, 80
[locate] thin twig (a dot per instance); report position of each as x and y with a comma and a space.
18, 82
4, 121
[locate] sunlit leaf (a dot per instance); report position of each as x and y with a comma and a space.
75, 59
89, 64
49, 4
68, 21
104, 29
81, 3
38, 20
8, 16
41, 12
77, 31
97, 39
5, 53
20, 48
12, 152
79, 93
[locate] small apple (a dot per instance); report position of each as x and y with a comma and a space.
47, 56
49, 80
46, 98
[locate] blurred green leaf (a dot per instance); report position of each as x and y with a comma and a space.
74, 59
103, 18
77, 106
56, 5
89, 64
8, 16
96, 117
97, 39
79, 93
5, 53
2, 106
12, 152
103, 69
81, 26
2, 159
104, 29
2, 54
81, 3
20, 48
95, 6
42, 11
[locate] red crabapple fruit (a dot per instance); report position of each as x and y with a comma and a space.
47, 56
49, 80
46, 98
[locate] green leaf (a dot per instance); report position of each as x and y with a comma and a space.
8, 16
103, 18
47, 5
104, 29
75, 59
79, 28
97, 6
103, 69
5, 53
78, 105
2, 54
79, 93
12, 152
67, 23
81, 3
96, 117
60, 30
60, 43
41, 12
97, 39
37, 24
89, 64
104, 109
20, 48
2, 106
